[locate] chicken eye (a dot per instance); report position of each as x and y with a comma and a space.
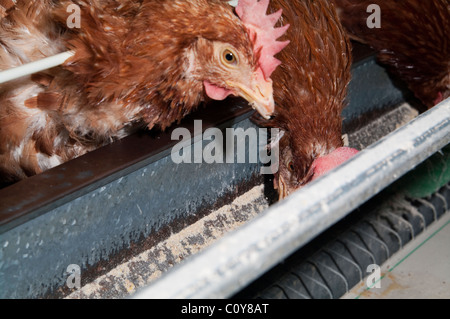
291, 166
229, 57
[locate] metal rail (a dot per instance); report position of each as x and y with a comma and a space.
245, 254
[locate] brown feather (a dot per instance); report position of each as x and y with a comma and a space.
42, 79
5, 5
413, 41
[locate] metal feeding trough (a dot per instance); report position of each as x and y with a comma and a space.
126, 220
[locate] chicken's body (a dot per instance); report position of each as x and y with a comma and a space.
412, 40
30, 138
147, 62
310, 89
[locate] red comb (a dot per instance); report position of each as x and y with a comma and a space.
261, 28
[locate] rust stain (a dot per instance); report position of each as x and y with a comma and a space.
393, 285
389, 284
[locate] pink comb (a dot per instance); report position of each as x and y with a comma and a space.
262, 31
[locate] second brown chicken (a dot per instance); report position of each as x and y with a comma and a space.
310, 89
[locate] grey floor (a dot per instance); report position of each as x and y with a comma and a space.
420, 270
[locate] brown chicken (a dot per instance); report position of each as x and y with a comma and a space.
412, 40
147, 62
310, 89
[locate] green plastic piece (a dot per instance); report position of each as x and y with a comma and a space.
427, 177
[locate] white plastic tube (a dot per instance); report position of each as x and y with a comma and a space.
33, 67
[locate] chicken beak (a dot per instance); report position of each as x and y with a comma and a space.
259, 94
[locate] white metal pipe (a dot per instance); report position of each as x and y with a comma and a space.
245, 254
34, 67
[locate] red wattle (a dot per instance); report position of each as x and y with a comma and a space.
215, 92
